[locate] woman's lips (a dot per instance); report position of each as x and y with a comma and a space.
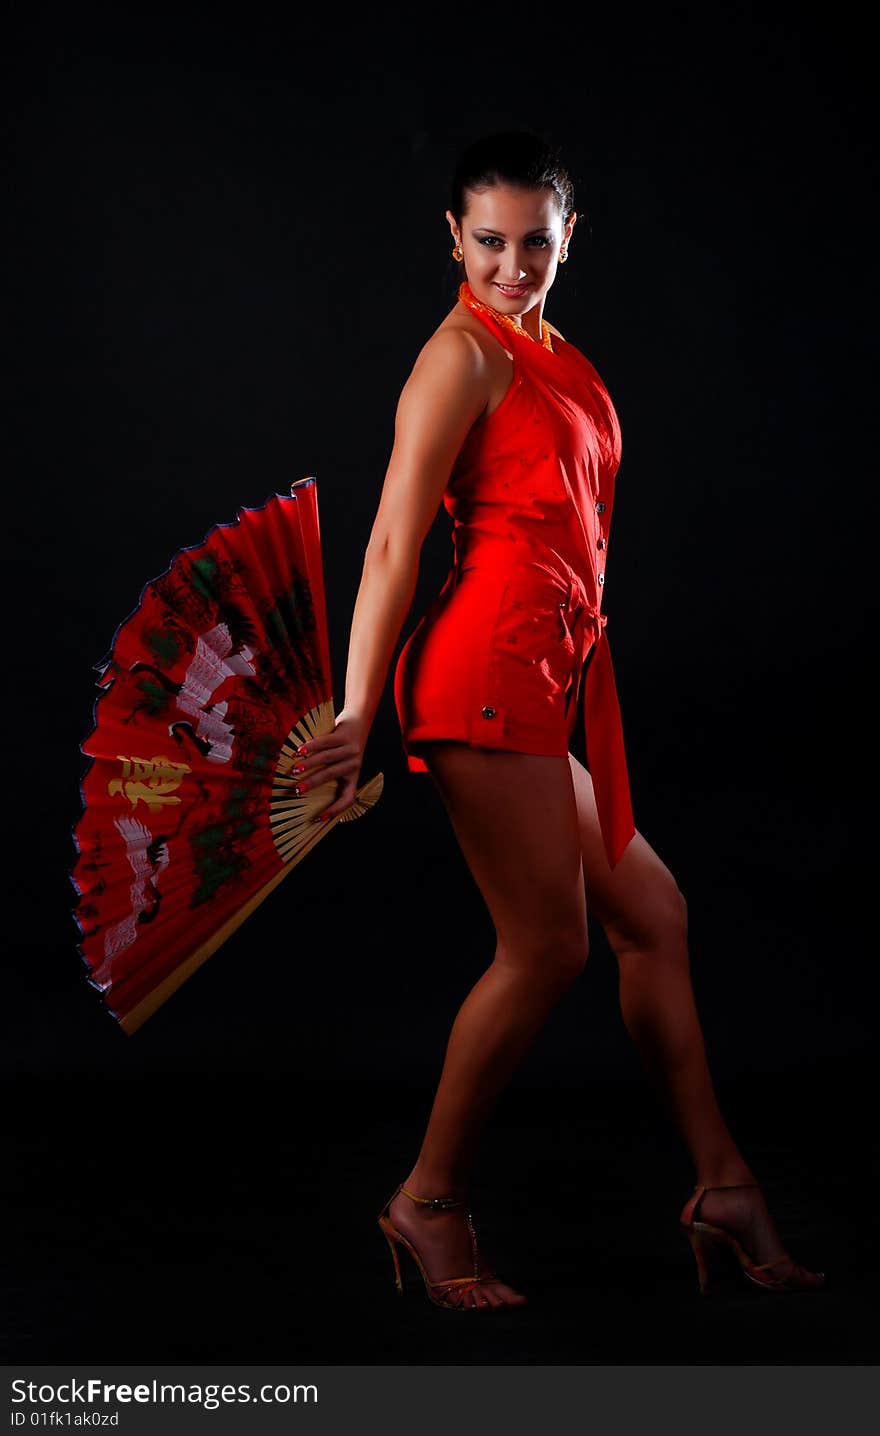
512, 291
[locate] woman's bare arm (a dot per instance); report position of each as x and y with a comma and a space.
446, 391
444, 394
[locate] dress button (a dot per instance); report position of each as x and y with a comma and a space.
601, 578
562, 603
603, 543
488, 712
600, 507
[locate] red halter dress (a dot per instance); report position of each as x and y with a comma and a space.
499, 656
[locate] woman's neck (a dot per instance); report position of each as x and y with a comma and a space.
530, 321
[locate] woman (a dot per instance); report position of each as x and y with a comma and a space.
508, 424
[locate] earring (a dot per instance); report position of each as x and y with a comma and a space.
457, 253
563, 255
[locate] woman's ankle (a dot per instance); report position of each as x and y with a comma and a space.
425, 1182
725, 1174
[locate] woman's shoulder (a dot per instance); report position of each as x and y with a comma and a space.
462, 340
453, 342
451, 359
461, 322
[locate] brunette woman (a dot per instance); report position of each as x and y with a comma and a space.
508, 424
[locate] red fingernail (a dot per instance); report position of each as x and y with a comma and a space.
302, 751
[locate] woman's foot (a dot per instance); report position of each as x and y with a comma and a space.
742, 1212
443, 1242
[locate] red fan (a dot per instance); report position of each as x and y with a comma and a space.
189, 819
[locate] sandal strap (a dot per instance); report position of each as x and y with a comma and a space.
728, 1187
438, 1203
468, 1281
766, 1265
700, 1188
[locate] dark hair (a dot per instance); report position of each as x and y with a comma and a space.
515, 157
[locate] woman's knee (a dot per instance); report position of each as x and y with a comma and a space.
549, 959
659, 924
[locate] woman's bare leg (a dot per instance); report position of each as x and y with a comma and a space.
644, 916
516, 821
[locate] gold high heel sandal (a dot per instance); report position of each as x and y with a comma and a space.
439, 1290
703, 1235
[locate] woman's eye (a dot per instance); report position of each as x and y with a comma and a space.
491, 240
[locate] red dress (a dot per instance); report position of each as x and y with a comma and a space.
498, 658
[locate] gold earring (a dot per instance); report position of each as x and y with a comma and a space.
563, 255
457, 253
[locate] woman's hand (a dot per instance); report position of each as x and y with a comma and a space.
336, 755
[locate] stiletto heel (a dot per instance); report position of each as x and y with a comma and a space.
699, 1251
440, 1290
704, 1235
397, 1280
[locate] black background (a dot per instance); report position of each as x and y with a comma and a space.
228, 246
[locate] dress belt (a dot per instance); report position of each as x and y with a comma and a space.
603, 725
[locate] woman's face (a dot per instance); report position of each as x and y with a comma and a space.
510, 239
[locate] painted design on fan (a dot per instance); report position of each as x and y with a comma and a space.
215, 596
196, 590
288, 625
197, 594
149, 780
222, 849
212, 663
147, 857
92, 863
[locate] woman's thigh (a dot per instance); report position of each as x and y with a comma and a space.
638, 902
516, 821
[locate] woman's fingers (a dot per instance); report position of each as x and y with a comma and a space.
333, 757
321, 752
331, 765
333, 771
344, 800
